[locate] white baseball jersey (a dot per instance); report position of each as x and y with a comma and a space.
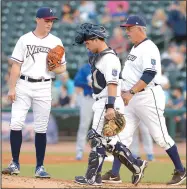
148, 105
144, 57
31, 52
107, 68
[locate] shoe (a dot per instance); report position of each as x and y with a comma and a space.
136, 177
41, 173
150, 157
83, 181
178, 178
12, 169
79, 155
108, 177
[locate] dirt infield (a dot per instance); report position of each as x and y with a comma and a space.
27, 182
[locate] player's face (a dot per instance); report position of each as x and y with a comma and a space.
45, 25
131, 32
92, 45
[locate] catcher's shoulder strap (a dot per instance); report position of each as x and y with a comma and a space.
99, 82
96, 57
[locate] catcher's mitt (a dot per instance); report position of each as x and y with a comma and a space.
54, 57
114, 126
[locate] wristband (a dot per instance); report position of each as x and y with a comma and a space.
111, 99
109, 106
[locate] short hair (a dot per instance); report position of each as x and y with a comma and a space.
102, 39
143, 28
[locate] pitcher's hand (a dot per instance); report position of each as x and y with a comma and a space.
12, 95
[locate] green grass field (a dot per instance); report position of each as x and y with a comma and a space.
156, 172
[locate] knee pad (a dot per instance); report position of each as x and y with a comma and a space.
92, 134
94, 139
95, 160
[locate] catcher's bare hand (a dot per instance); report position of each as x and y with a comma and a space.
126, 96
110, 113
12, 95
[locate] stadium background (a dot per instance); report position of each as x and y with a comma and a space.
18, 17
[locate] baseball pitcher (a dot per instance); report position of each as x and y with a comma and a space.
37, 56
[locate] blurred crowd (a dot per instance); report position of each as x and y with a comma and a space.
168, 21
86, 12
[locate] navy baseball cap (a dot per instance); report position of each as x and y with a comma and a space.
46, 13
134, 20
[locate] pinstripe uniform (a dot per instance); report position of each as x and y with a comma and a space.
149, 104
31, 52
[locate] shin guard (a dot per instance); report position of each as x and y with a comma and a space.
125, 157
95, 160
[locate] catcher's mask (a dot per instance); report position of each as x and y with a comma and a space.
89, 31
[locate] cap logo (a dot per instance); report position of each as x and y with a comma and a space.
51, 10
136, 22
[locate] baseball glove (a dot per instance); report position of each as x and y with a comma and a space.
114, 126
54, 57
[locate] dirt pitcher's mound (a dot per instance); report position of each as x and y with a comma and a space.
28, 182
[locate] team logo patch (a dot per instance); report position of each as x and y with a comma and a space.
153, 61
131, 57
114, 72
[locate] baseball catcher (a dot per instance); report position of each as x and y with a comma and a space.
54, 57
108, 108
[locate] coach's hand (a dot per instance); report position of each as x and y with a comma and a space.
12, 95
126, 96
110, 113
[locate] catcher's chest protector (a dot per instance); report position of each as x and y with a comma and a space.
98, 79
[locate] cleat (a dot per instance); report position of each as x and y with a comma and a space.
150, 157
83, 181
12, 169
79, 155
108, 177
41, 173
178, 178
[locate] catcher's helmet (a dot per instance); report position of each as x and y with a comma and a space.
89, 31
